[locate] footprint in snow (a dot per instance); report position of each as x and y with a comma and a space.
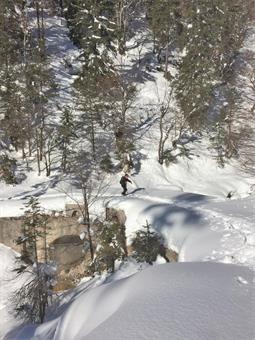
241, 280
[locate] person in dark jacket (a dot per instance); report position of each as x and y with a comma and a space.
123, 183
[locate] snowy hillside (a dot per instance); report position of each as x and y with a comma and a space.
178, 301
200, 203
8, 284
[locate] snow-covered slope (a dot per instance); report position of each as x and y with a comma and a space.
172, 301
199, 227
186, 203
8, 284
198, 173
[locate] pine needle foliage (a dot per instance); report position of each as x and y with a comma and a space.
147, 245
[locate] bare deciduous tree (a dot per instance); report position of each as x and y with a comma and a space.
86, 177
171, 122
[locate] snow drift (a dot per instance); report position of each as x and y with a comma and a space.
169, 301
8, 284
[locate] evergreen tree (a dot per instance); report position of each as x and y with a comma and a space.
11, 97
40, 89
228, 130
32, 228
210, 44
7, 169
32, 298
90, 101
111, 247
105, 101
93, 29
66, 135
126, 11
147, 245
119, 97
165, 21
11, 47
11, 32
27, 81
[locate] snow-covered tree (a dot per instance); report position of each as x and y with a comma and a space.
165, 21
27, 81
93, 29
212, 34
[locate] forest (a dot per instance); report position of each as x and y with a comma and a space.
159, 94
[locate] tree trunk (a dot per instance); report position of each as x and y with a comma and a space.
166, 61
38, 153
93, 142
45, 242
161, 145
64, 157
87, 220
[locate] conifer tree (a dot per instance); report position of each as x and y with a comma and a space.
111, 247
27, 81
90, 101
165, 21
147, 245
227, 130
32, 298
7, 169
211, 44
10, 57
66, 135
93, 29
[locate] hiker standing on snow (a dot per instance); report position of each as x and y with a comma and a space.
123, 183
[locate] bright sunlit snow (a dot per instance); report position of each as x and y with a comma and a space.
170, 301
207, 295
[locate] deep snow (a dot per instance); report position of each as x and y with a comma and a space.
9, 283
171, 301
186, 202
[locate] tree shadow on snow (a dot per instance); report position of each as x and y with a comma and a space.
137, 162
165, 216
38, 189
191, 198
27, 330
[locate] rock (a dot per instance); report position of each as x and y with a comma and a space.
67, 250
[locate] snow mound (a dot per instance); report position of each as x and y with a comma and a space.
8, 284
7, 259
169, 301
